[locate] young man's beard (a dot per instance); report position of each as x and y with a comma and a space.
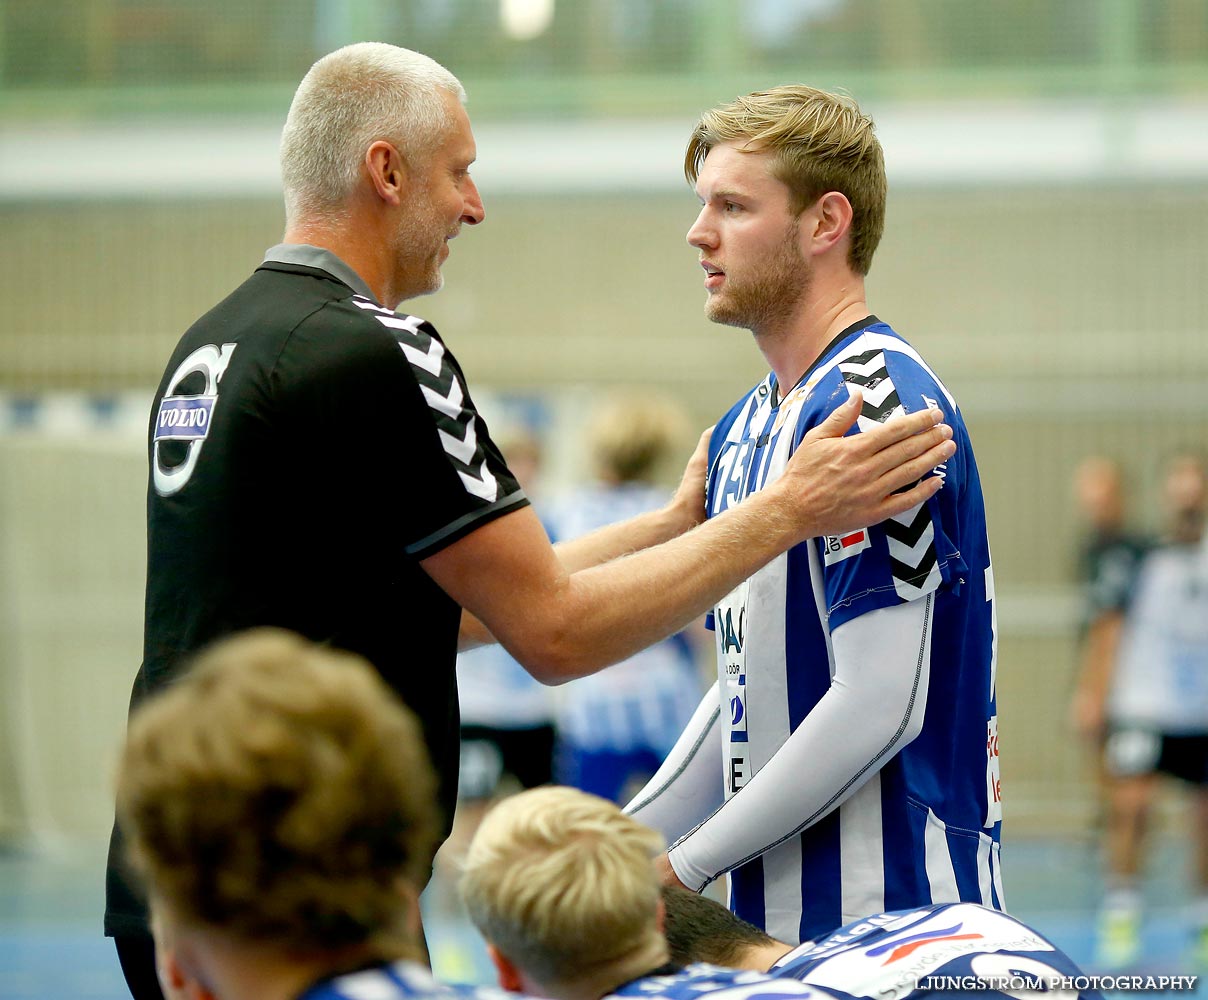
766, 299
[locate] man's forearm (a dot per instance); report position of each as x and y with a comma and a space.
615, 540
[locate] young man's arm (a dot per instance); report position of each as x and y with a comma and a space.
873, 708
562, 625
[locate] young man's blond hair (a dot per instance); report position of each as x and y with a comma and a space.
819, 142
562, 886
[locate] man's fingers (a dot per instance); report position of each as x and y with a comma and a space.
841, 418
897, 503
901, 428
923, 444
905, 471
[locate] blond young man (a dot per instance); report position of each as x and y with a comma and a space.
562, 886
855, 711
280, 806
317, 463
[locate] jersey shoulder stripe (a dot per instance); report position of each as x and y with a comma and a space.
440, 382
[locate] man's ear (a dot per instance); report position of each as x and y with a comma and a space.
825, 223
505, 970
387, 171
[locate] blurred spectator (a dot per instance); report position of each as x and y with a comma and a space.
615, 728
1108, 557
1156, 710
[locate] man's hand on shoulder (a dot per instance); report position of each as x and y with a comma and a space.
843, 483
688, 503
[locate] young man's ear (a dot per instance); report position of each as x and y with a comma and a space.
825, 223
507, 973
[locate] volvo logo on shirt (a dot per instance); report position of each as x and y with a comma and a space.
187, 416
183, 418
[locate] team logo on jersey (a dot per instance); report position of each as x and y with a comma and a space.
187, 416
836, 548
904, 947
183, 418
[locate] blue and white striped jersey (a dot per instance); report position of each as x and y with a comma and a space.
953, 948
718, 984
408, 981
911, 821
398, 981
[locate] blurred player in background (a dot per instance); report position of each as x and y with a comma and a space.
281, 808
855, 712
562, 886
615, 727
1107, 568
883, 954
317, 462
1156, 707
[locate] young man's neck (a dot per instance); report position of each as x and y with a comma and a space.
761, 957
793, 349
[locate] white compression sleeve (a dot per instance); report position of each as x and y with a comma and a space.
688, 785
874, 708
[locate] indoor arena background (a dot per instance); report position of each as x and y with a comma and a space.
1046, 250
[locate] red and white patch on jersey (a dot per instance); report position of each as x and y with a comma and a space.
836, 548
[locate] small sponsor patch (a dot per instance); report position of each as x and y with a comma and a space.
184, 418
836, 548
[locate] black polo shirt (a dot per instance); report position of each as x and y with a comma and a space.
307, 448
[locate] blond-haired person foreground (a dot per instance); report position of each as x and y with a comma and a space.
562, 886
281, 810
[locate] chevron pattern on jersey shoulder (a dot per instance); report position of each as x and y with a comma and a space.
456, 423
912, 557
869, 372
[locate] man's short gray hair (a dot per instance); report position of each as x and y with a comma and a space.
350, 99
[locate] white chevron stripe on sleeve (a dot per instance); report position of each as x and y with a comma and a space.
450, 405
867, 423
912, 555
909, 592
394, 322
884, 342
486, 487
462, 450
871, 367
877, 394
432, 360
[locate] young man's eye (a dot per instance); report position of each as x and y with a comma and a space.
731, 207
